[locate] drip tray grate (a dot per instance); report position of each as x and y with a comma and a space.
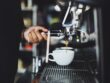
65, 74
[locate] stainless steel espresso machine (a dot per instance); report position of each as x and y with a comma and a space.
80, 29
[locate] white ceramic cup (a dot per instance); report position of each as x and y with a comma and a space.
62, 56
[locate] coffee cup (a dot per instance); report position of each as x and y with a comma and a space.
62, 56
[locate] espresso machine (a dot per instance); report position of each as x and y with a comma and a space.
80, 29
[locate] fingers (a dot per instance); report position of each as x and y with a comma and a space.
39, 36
34, 35
44, 35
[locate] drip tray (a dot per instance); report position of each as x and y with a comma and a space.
65, 74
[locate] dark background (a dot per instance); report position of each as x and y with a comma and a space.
106, 39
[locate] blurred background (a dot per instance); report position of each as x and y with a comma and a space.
34, 12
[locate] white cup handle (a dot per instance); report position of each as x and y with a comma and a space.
51, 59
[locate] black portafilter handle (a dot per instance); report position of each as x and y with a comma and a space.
56, 33
59, 33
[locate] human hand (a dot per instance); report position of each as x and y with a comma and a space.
35, 34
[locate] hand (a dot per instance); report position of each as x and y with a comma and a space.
35, 34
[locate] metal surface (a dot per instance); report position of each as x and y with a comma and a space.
67, 74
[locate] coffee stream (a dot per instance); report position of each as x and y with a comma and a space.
66, 43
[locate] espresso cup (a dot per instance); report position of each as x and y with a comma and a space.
62, 56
